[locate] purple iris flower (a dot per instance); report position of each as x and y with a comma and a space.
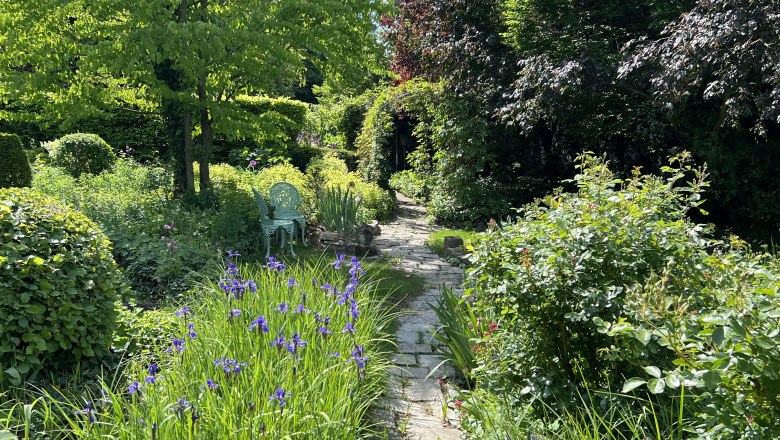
251, 285
177, 344
339, 261
295, 343
282, 307
229, 366
135, 387
278, 342
191, 331
232, 254
211, 384
301, 309
349, 328
260, 323
184, 311
88, 411
280, 396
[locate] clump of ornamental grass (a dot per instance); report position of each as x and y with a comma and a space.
264, 351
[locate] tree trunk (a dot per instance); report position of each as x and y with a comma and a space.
207, 142
207, 133
188, 172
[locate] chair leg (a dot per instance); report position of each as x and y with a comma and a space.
291, 243
302, 225
267, 245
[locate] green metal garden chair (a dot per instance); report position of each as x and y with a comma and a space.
287, 202
270, 226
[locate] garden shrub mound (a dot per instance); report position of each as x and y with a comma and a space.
614, 286
59, 282
81, 153
15, 169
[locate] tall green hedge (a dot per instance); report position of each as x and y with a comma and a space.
272, 138
14, 166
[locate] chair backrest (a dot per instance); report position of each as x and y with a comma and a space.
261, 204
285, 197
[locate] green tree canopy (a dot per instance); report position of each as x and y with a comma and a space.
185, 58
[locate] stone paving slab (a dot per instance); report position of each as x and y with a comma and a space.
417, 401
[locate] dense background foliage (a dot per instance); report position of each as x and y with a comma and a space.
545, 80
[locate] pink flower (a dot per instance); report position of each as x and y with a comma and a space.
252, 163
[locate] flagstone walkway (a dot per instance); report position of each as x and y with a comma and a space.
417, 406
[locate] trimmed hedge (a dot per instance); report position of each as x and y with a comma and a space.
82, 153
60, 285
14, 167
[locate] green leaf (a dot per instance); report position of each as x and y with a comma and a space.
656, 386
653, 371
16, 378
632, 384
718, 335
6, 435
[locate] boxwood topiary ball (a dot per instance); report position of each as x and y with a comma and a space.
81, 153
58, 285
14, 166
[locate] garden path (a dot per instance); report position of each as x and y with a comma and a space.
417, 407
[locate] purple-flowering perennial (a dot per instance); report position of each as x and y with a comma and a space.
280, 396
360, 359
273, 264
232, 254
153, 369
260, 324
295, 343
292, 283
177, 345
339, 261
134, 387
349, 328
184, 311
151, 379
88, 411
278, 342
180, 407
229, 366
234, 313
191, 331
353, 310
211, 384
324, 331
232, 270
301, 309
251, 285
282, 308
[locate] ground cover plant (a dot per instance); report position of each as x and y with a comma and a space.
264, 350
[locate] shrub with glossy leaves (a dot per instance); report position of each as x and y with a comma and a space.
59, 285
81, 153
14, 166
